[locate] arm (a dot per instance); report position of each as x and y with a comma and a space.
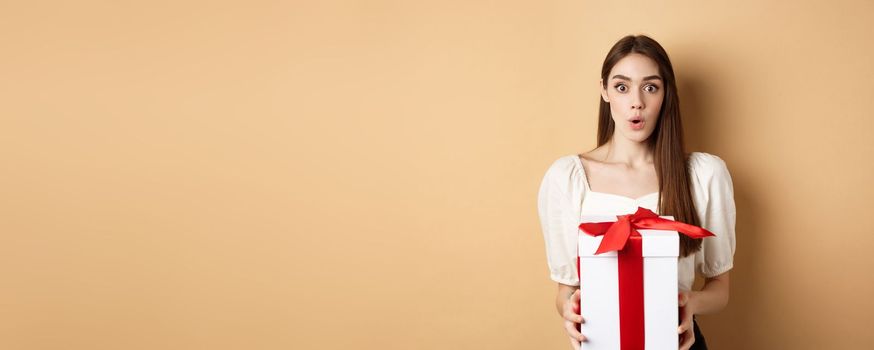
710, 299
718, 252
713, 297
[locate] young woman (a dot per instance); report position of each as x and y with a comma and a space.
641, 161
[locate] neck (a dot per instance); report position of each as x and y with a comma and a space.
631, 153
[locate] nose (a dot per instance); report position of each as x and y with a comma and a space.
637, 101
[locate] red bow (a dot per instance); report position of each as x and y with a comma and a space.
616, 233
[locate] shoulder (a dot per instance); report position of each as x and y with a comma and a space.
709, 176
563, 167
564, 175
706, 166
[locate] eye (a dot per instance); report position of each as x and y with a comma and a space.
651, 88
621, 87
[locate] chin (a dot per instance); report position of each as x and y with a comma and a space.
639, 138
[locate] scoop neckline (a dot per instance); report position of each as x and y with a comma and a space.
589, 189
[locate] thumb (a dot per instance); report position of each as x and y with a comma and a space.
683, 298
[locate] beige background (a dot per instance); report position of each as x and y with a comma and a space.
218, 175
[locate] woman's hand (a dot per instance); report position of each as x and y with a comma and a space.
687, 310
570, 311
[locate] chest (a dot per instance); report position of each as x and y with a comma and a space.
631, 183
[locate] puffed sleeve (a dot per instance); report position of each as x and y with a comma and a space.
717, 212
558, 223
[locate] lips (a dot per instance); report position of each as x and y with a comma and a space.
636, 123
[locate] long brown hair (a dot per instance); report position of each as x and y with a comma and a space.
666, 142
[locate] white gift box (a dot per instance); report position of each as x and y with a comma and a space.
599, 289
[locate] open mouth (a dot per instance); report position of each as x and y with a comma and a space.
636, 123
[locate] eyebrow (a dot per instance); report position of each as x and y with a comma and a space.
651, 77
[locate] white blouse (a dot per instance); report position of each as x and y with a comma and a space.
565, 196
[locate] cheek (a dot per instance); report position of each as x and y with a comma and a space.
615, 108
656, 102
617, 101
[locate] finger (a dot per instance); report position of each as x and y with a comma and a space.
688, 340
575, 344
572, 316
572, 309
685, 323
682, 299
683, 328
572, 331
575, 301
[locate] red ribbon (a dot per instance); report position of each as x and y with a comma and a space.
622, 236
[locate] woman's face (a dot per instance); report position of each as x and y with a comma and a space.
635, 92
